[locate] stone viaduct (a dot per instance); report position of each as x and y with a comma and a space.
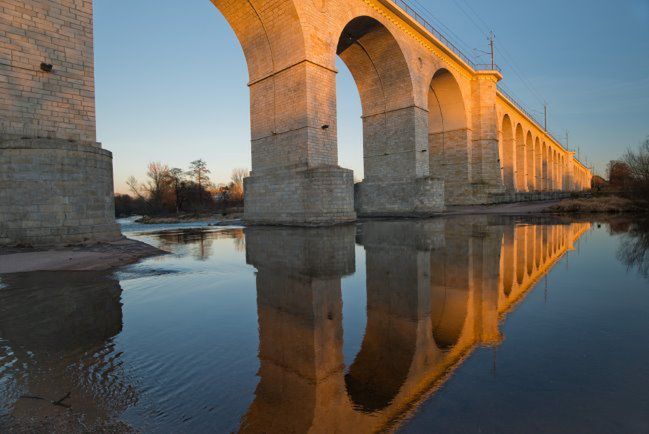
437, 131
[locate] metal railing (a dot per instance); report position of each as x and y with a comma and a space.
410, 10
532, 117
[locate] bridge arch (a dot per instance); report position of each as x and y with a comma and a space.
384, 83
538, 165
545, 168
520, 159
530, 174
265, 44
553, 168
508, 152
447, 131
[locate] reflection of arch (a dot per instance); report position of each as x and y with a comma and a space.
448, 314
508, 152
509, 260
520, 254
539, 246
382, 76
529, 235
520, 159
383, 363
530, 174
545, 244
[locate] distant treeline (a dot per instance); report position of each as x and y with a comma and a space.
629, 176
175, 191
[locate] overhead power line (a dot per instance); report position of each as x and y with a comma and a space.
447, 30
483, 27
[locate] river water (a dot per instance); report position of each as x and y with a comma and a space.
465, 324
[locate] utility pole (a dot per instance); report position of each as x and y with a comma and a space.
545, 116
491, 49
567, 140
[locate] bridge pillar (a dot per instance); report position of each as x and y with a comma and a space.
56, 182
486, 178
396, 167
295, 178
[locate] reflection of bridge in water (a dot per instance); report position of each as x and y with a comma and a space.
435, 291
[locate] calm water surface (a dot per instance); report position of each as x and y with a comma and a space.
471, 324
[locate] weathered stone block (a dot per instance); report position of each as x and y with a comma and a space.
313, 197
407, 198
37, 188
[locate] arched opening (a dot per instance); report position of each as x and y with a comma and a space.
538, 165
448, 136
555, 170
545, 169
562, 172
174, 77
508, 151
349, 122
521, 183
383, 80
530, 172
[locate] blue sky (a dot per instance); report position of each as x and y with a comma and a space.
171, 77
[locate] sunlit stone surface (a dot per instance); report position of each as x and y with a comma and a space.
437, 131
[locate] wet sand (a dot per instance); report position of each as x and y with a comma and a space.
96, 257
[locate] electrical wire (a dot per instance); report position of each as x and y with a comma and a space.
456, 39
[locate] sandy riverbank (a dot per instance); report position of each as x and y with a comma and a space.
95, 257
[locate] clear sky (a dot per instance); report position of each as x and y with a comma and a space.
171, 77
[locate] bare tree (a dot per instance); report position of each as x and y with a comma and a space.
157, 186
199, 171
236, 184
134, 185
638, 163
619, 174
176, 176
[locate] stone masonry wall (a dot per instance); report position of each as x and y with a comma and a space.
59, 104
55, 192
56, 183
